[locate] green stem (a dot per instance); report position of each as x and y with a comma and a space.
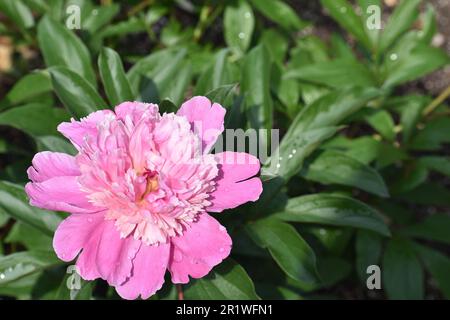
139, 7
437, 102
207, 16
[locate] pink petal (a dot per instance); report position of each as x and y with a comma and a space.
115, 255
87, 260
74, 233
232, 188
135, 111
104, 254
202, 246
46, 165
205, 119
76, 131
59, 194
147, 276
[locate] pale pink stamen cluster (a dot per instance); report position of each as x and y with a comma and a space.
149, 172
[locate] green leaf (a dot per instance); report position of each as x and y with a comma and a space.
151, 65
437, 265
334, 240
410, 109
433, 136
55, 144
167, 106
255, 85
429, 25
27, 88
389, 154
238, 26
176, 90
289, 96
314, 124
227, 281
337, 73
333, 270
368, 252
335, 210
412, 175
61, 47
366, 149
437, 164
3, 220
399, 22
77, 95
22, 288
216, 75
37, 5
428, 194
289, 157
280, 13
434, 227
18, 12
403, 277
174, 34
19, 265
397, 213
340, 49
332, 167
153, 76
368, 15
332, 109
14, 202
235, 117
31, 238
311, 49
99, 17
382, 121
83, 293
277, 43
47, 283
34, 119
134, 24
311, 92
344, 14
222, 94
113, 77
418, 63
291, 252
269, 291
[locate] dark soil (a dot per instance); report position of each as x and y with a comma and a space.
440, 80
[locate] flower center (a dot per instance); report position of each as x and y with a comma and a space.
151, 185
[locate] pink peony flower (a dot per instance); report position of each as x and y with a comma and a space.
138, 193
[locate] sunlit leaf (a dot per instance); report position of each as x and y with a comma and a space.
227, 281
335, 210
